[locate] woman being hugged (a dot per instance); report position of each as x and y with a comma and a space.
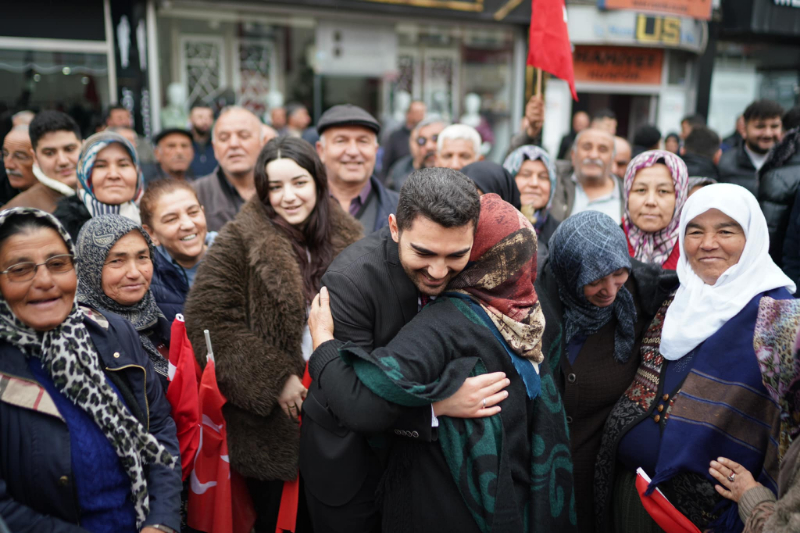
88, 442
176, 222
656, 187
110, 179
711, 376
252, 293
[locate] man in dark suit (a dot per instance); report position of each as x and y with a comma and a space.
376, 286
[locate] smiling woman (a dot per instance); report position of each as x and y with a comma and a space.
110, 183
176, 222
80, 382
114, 274
711, 376
252, 293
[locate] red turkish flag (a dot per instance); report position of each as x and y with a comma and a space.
549, 47
218, 498
182, 394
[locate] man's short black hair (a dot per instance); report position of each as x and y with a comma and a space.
442, 195
647, 136
694, 120
702, 141
791, 119
202, 105
762, 109
49, 121
604, 113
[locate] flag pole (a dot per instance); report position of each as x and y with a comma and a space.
539, 74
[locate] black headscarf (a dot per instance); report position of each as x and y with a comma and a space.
491, 177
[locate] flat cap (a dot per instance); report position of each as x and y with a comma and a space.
170, 131
347, 115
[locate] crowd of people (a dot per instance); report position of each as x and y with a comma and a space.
471, 346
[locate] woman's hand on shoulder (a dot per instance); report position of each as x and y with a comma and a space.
477, 398
292, 397
734, 479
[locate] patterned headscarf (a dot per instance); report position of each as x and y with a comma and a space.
95, 240
656, 247
93, 146
68, 355
500, 276
586, 247
490, 177
514, 162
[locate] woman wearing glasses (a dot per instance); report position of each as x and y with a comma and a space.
85, 429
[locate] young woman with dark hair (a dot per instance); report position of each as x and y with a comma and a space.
252, 292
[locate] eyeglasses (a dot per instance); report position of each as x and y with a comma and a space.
58, 264
422, 141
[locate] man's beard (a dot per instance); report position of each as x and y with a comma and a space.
416, 278
199, 132
757, 149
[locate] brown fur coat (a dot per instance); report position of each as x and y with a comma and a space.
248, 294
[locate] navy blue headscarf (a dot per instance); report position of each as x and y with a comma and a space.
586, 247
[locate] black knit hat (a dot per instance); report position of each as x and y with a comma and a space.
347, 115
170, 131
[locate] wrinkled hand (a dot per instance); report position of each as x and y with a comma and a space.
292, 397
468, 401
722, 468
534, 113
320, 320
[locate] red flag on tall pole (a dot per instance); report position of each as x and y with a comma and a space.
549, 47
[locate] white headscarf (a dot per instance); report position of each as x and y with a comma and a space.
699, 310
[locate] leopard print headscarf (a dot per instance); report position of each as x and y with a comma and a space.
69, 356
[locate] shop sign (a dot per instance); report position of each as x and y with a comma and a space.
660, 30
618, 64
696, 9
589, 26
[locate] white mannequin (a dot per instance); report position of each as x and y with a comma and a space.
174, 115
273, 101
472, 117
401, 102
472, 106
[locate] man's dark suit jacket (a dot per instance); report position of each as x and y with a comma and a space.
372, 298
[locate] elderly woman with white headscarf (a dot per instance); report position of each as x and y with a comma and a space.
714, 361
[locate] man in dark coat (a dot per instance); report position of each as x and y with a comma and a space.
762, 120
779, 181
348, 146
701, 152
376, 287
174, 152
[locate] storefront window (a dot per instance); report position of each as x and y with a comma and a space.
76, 83
321, 61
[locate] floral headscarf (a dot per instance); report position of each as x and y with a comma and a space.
655, 248
93, 146
514, 162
